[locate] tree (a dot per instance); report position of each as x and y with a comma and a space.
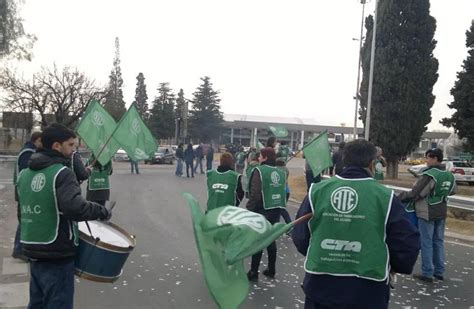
14, 41
182, 116
205, 119
56, 95
162, 117
141, 96
463, 92
114, 102
404, 74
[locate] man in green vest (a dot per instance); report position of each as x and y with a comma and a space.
51, 204
357, 236
22, 163
380, 163
267, 197
240, 157
98, 184
430, 195
224, 186
283, 152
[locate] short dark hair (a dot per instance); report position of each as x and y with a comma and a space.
227, 159
269, 153
56, 133
270, 141
359, 153
34, 137
435, 153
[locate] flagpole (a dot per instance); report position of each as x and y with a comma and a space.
303, 219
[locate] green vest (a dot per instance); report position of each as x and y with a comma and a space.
273, 186
240, 158
444, 185
248, 173
16, 169
348, 228
39, 208
221, 188
378, 173
283, 152
99, 180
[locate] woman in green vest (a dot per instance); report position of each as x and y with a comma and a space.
224, 186
379, 164
98, 186
267, 197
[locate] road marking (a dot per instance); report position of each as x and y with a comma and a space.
459, 243
14, 295
13, 266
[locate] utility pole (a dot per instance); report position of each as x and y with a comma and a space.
358, 70
371, 74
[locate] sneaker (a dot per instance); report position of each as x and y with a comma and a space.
252, 276
423, 278
269, 273
439, 277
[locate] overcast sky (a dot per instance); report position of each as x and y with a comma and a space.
266, 57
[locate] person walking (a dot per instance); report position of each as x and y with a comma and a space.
429, 195
224, 185
337, 163
49, 231
22, 163
267, 197
209, 157
189, 159
179, 160
98, 185
357, 236
199, 157
134, 167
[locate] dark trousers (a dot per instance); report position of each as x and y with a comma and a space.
198, 163
189, 165
257, 257
285, 215
309, 304
17, 244
209, 163
134, 166
52, 284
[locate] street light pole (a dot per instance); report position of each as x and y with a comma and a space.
371, 74
358, 70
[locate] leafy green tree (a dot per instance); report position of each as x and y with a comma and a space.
114, 102
162, 117
205, 119
14, 41
141, 96
463, 92
404, 74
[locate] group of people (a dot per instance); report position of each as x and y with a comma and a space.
193, 158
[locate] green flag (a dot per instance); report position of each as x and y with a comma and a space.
317, 153
224, 237
279, 131
260, 145
134, 137
95, 129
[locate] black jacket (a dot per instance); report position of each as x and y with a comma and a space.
78, 167
72, 207
403, 241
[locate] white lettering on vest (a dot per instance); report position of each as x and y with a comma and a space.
340, 245
26, 209
220, 186
276, 196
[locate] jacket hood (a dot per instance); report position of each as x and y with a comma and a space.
46, 157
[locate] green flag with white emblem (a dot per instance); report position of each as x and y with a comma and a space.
317, 153
134, 136
278, 131
224, 237
95, 129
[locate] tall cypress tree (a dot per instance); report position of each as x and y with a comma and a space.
162, 117
181, 112
114, 102
404, 74
141, 96
463, 92
205, 116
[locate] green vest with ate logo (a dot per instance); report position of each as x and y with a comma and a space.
39, 208
348, 228
221, 188
273, 186
444, 185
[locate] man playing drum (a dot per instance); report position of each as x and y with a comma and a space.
51, 204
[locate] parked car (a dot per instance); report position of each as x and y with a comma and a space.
121, 155
417, 170
163, 155
462, 171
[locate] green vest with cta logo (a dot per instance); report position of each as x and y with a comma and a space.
348, 228
378, 173
444, 185
39, 208
99, 179
273, 186
221, 188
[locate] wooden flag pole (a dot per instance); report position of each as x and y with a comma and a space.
303, 218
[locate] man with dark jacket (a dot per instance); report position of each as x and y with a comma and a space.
51, 204
21, 163
179, 160
357, 236
430, 194
337, 163
199, 157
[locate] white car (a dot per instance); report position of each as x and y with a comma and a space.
462, 171
121, 155
417, 170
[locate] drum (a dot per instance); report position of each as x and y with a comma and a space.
102, 255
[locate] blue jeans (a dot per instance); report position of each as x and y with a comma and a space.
52, 284
179, 167
198, 163
432, 246
134, 166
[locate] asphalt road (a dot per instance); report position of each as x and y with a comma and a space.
164, 271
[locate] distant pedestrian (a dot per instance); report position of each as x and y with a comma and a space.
380, 163
179, 160
189, 159
209, 157
240, 160
134, 166
337, 163
199, 157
